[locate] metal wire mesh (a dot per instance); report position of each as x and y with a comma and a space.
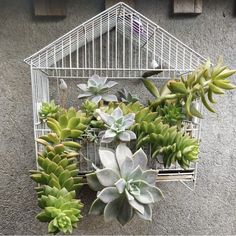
119, 43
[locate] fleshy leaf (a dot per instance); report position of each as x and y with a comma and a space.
140, 158
150, 176
107, 177
147, 215
109, 98
108, 194
121, 152
124, 136
96, 99
120, 185
108, 159
93, 182
111, 210
97, 207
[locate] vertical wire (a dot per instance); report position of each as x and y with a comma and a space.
123, 41
100, 45
93, 50
108, 42
131, 43
147, 48
77, 53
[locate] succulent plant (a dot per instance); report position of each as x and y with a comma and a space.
60, 209
173, 145
70, 124
172, 114
124, 186
127, 97
48, 109
117, 125
89, 107
57, 168
97, 87
199, 84
57, 175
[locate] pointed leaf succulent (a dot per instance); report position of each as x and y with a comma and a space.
97, 88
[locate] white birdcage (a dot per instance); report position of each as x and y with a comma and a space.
119, 43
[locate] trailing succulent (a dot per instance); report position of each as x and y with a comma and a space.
201, 84
48, 109
97, 87
57, 175
125, 188
117, 125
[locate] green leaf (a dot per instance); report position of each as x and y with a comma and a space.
108, 194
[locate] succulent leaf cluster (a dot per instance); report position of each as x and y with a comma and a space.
70, 124
58, 178
117, 125
89, 107
60, 208
201, 84
171, 114
127, 97
173, 145
125, 188
97, 88
48, 109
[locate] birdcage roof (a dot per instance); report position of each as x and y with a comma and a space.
147, 39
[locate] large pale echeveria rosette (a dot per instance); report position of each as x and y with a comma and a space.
97, 87
117, 125
125, 188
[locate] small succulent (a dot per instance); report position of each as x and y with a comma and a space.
124, 186
172, 114
117, 125
89, 107
70, 124
127, 97
97, 87
48, 109
60, 209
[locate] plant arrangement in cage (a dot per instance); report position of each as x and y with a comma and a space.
125, 186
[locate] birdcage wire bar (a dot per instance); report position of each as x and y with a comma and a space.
119, 43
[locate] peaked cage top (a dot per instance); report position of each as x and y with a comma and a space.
120, 43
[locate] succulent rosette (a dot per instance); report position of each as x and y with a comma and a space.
124, 187
117, 125
97, 87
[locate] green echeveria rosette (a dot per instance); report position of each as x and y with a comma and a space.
97, 88
48, 109
117, 125
125, 188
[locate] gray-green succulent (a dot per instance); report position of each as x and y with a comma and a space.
127, 97
125, 188
117, 125
97, 88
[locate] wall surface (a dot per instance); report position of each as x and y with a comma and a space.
210, 209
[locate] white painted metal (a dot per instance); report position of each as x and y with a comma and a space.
119, 43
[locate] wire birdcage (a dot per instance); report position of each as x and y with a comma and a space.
119, 43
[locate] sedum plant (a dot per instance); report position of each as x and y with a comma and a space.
89, 107
97, 88
117, 125
202, 84
49, 109
127, 97
125, 188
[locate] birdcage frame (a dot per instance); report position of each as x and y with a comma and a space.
118, 43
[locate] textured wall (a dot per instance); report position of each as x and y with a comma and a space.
211, 209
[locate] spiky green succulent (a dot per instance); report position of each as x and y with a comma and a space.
61, 209
125, 188
171, 114
127, 97
48, 109
97, 88
202, 84
117, 125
